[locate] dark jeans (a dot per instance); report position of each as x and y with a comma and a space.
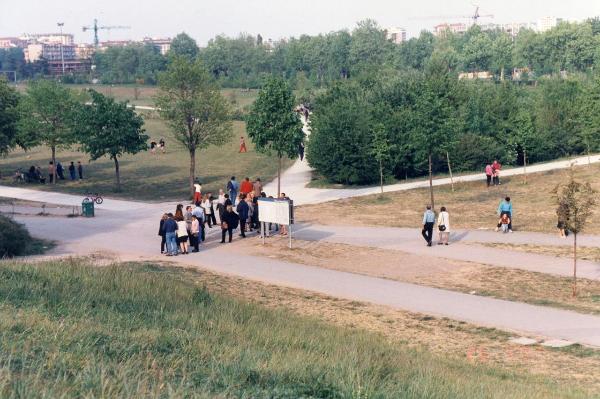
427, 232
228, 230
195, 241
213, 218
510, 217
496, 180
488, 180
209, 220
243, 228
163, 242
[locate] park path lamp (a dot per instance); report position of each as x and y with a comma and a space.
62, 40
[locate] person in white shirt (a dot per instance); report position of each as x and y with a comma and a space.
444, 226
197, 192
195, 232
207, 210
182, 236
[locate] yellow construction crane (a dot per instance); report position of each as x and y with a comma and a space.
95, 28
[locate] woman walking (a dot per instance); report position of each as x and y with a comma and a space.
444, 226
207, 206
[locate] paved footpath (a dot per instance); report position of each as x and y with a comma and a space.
461, 247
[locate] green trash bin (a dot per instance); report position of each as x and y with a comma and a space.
87, 209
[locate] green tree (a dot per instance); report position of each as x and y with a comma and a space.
589, 129
193, 107
523, 136
273, 125
9, 116
109, 128
381, 150
47, 112
575, 202
184, 46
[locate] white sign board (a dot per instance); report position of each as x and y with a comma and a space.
274, 211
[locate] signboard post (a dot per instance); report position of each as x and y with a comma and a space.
276, 211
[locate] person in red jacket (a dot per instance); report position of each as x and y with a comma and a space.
496, 167
246, 186
242, 145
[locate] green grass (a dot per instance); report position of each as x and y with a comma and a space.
147, 177
68, 329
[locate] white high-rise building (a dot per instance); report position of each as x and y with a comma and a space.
396, 35
546, 23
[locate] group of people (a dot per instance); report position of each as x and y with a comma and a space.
492, 173
35, 174
160, 146
504, 212
186, 228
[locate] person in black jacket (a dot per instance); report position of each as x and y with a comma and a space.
228, 223
242, 210
162, 234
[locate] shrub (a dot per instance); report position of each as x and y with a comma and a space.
14, 238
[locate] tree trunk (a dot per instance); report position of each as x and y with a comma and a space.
117, 175
525, 165
381, 175
279, 177
574, 265
54, 164
450, 170
431, 185
502, 74
193, 171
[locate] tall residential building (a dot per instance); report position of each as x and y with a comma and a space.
396, 35
546, 23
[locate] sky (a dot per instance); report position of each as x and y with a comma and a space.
204, 19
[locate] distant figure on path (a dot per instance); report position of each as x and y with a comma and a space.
496, 167
489, 174
444, 226
195, 234
563, 216
80, 170
505, 208
207, 206
246, 186
153, 147
72, 171
170, 228
162, 145
242, 145
242, 210
182, 235
197, 192
60, 171
228, 223
428, 222
51, 172
301, 151
232, 188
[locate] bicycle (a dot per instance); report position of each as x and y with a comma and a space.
93, 197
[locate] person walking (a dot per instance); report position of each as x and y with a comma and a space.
182, 235
444, 226
72, 171
229, 223
232, 188
242, 145
80, 170
60, 171
489, 173
428, 222
170, 228
162, 145
162, 234
301, 151
496, 168
51, 172
213, 202
242, 210
505, 208
207, 206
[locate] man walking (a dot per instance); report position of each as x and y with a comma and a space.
428, 222
242, 210
170, 228
80, 170
72, 171
232, 188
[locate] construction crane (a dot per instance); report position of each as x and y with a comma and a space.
474, 17
96, 28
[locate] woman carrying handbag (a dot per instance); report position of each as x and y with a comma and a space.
444, 226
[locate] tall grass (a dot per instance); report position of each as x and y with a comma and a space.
68, 329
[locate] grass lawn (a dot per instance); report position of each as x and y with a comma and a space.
148, 177
72, 330
471, 205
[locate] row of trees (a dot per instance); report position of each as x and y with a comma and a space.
417, 123
319, 60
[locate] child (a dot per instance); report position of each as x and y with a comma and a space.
504, 222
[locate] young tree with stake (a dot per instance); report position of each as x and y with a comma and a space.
575, 202
381, 150
109, 128
273, 125
193, 107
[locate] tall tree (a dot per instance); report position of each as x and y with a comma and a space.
9, 115
47, 112
184, 46
109, 128
273, 125
575, 202
191, 103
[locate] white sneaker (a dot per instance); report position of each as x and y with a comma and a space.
510, 231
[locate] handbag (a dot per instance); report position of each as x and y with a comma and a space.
442, 227
224, 226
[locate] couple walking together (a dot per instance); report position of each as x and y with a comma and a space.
443, 222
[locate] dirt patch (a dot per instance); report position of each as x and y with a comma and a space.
498, 282
562, 251
471, 205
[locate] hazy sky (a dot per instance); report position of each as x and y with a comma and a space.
204, 19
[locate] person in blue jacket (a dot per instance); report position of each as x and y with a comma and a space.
242, 210
505, 208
